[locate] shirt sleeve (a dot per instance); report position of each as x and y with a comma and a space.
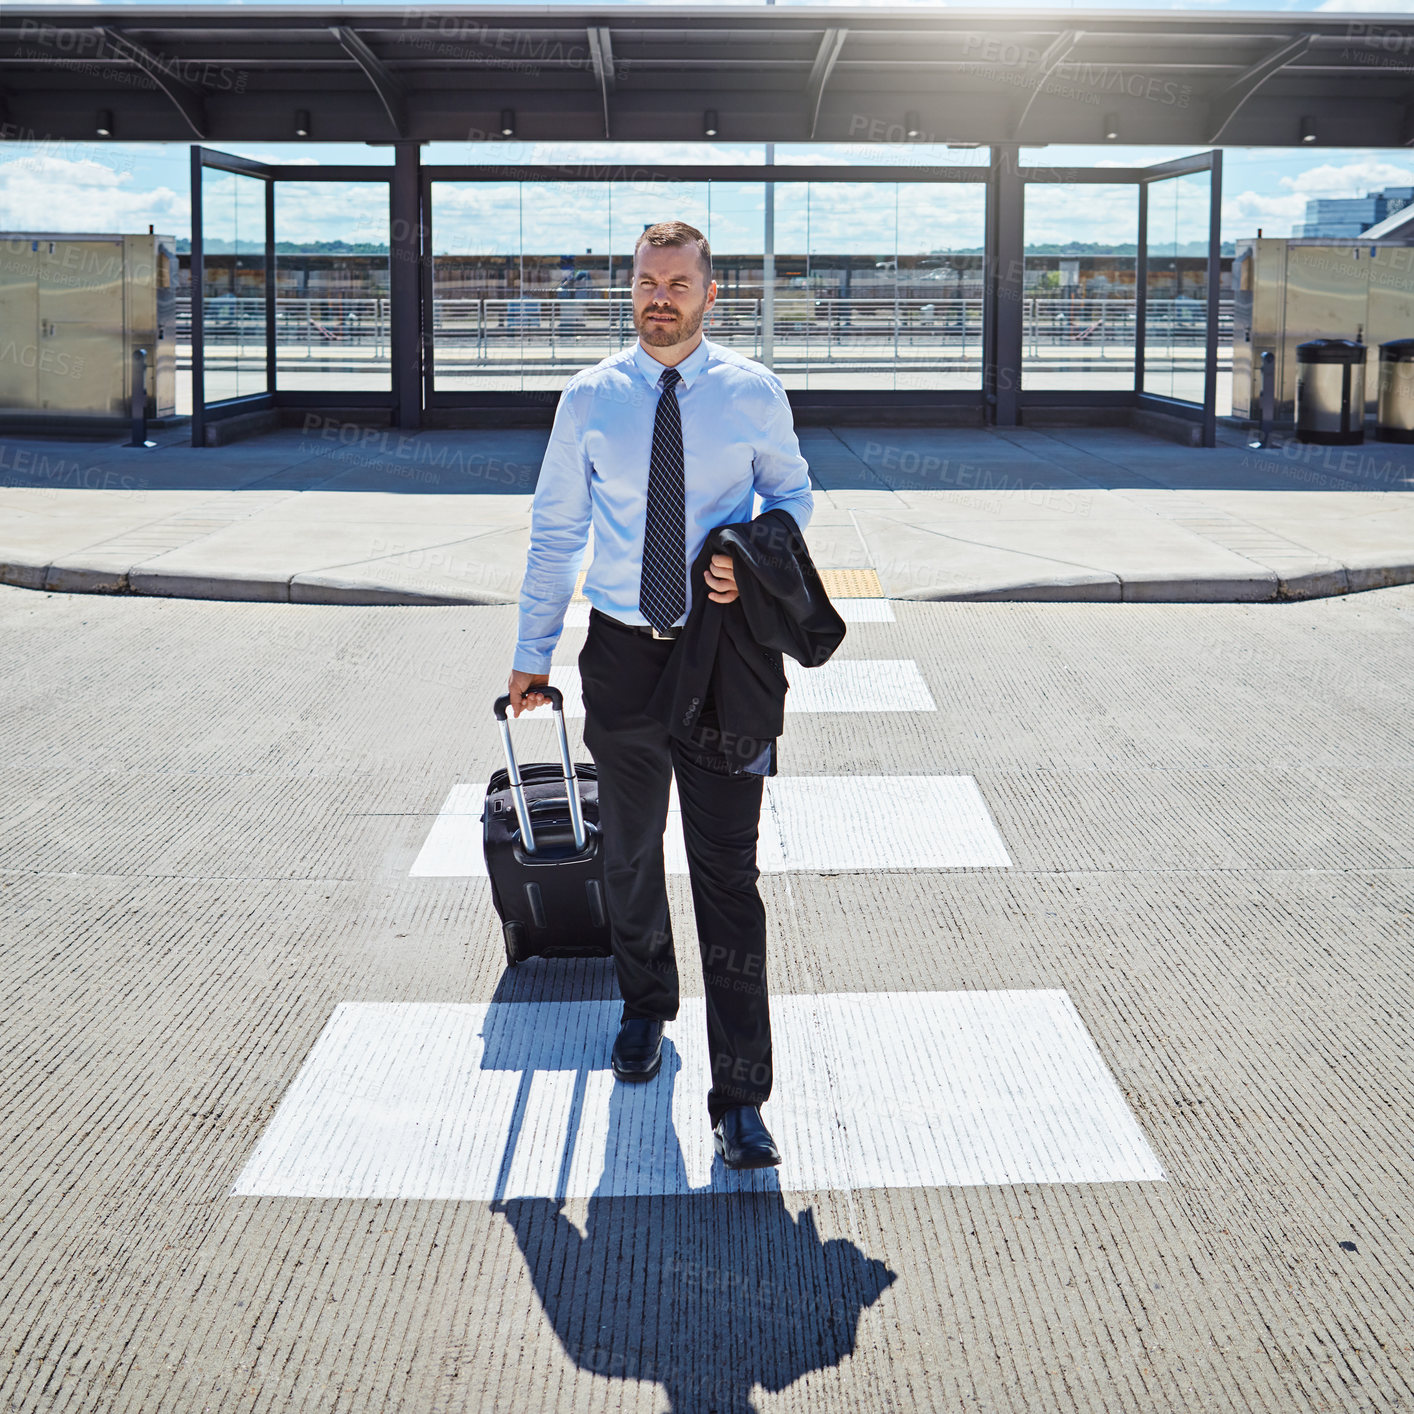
781, 476
559, 531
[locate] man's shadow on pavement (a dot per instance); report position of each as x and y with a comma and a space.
707, 1293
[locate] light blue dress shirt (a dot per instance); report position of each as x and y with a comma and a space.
738, 441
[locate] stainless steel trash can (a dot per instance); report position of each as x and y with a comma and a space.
1330, 391
1394, 413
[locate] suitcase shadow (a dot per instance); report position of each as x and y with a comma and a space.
708, 1292
559, 979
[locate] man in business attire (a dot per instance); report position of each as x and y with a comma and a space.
656, 447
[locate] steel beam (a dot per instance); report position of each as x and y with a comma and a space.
601, 57
1040, 71
1141, 287
831, 42
1210, 358
1225, 108
405, 250
1005, 266
387, 85
272, 361
197, 274
188, 100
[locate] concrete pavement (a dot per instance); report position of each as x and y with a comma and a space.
212, 815
339, 514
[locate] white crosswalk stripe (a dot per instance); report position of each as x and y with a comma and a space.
497, 1100
807, 822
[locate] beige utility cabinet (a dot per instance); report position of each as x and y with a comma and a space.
72, 310
1285, 292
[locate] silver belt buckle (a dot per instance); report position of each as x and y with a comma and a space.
670, 633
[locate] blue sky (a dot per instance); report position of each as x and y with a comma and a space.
92, 186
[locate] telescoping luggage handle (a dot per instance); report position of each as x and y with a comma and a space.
557, 706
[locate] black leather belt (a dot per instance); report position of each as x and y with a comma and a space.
646, 630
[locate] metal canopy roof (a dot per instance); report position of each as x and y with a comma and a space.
222, 73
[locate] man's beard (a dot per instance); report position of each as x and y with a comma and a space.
664, 336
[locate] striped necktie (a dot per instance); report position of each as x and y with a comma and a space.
662, 592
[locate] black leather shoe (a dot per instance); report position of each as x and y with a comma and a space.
743, 1140
638, 1051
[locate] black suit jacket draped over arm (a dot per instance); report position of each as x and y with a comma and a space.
734, 652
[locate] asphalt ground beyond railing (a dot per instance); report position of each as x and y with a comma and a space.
334, 513
1091, 956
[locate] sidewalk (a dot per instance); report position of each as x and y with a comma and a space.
443, 517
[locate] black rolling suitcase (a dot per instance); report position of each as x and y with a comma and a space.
544, 854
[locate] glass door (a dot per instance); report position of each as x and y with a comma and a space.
1179, 285
1078, 306
1176, 293
233, 284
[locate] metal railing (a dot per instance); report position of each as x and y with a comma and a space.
544, 330
312, 324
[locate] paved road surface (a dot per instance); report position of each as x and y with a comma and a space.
1115, 1117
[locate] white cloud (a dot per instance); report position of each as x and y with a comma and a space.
1278, 212
329, 211
1092, 212
1351, 178
513, 152
43, 190
1281, 206
275, 159
1245, 212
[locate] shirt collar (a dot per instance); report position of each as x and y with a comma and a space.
689, 368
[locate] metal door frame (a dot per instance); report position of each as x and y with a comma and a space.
1001, 400
401, 233
1010, 332
1206, 412
922, 404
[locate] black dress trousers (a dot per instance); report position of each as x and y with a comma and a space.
636, 758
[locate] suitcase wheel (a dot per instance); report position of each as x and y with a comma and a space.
514, 934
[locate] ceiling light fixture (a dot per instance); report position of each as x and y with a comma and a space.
508, 122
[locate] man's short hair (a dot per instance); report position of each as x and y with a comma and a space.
678, 233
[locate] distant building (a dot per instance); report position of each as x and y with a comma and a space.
1348, 216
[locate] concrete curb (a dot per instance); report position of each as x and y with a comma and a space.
315, 587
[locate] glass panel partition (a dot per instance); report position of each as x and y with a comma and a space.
735, 229
1078, 327
477, 269
940, 233
233, 287
1176, 305
837, 322
332, 314
877, 285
